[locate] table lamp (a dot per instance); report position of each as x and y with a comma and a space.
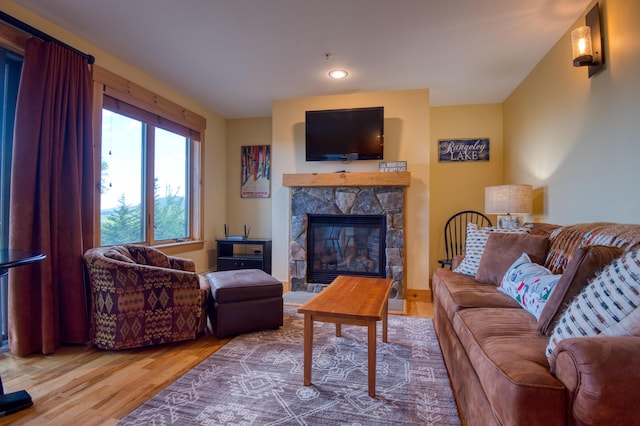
507, 200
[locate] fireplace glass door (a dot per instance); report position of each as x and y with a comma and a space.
345, 245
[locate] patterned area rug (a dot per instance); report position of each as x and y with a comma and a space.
256, 379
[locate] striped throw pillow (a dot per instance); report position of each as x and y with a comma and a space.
608, 305
476, 242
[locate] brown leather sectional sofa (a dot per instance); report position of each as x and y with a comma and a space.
494, 349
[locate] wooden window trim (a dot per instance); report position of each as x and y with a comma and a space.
123, 108
109, 85
133, 94
106, 82
12, 38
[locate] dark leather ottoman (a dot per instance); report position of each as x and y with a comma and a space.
244, 300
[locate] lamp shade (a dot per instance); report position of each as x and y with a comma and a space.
581, 49
507, 199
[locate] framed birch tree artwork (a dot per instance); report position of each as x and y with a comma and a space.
256, 171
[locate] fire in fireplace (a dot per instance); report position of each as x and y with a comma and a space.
345, 245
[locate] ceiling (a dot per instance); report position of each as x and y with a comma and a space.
236, 56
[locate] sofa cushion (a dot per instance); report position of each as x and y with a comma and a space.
458, 291
582, 267
611, 296
530, 284
503, 249
476, 241
507, 353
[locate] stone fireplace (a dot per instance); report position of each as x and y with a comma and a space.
347, 248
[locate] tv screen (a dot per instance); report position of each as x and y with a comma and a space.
345, 134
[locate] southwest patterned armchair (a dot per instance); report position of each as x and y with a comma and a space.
140, 296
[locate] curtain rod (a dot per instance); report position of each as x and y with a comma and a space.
43, 36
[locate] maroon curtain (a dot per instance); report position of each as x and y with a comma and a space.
51, 205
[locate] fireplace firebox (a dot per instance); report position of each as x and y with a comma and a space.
345, 245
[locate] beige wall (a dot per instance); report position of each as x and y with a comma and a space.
215, 170
460, 186
406, 138
575, 139
254, 212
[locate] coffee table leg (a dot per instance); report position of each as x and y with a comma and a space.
372, 358
338, 329
308, 348
385, 317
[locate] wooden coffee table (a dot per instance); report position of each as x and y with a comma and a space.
352, 301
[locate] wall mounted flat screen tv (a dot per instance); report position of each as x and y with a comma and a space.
345, 134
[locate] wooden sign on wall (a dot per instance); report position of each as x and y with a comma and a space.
458, 150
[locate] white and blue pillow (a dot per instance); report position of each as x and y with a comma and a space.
476, 242
529, 284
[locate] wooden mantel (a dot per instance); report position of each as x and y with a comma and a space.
347, 179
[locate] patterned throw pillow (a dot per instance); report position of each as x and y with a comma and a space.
119, 253
582, 267
607, 305
476, 242
529, 284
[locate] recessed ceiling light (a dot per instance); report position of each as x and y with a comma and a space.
338, 74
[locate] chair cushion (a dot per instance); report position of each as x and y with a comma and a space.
243, 284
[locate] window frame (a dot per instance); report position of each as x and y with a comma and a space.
10, 84
158, 111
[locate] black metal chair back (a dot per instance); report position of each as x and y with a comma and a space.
455, 233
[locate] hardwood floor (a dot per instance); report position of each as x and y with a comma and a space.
83, 385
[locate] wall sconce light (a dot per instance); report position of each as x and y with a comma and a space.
507, 199
586, 43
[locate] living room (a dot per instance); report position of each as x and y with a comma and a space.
571, 137
555, 117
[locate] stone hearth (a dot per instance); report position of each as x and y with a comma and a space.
350, 200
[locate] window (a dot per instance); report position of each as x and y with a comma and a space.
149, 185
10, 67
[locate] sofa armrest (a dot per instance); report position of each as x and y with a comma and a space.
601, 375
